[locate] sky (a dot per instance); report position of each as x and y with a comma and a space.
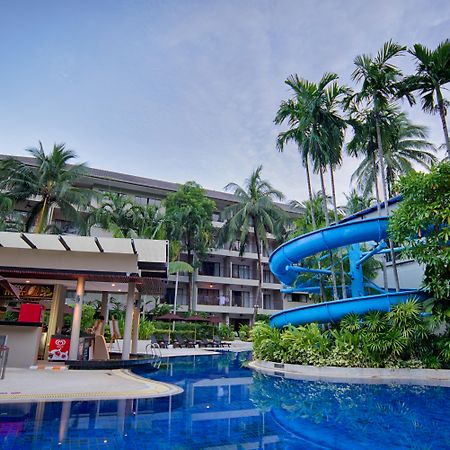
188, 90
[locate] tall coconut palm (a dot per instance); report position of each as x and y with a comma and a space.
432, 73
316, 126
255, 211
290, 111
404, 144
380, 81
50, 180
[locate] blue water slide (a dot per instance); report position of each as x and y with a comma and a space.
283, 263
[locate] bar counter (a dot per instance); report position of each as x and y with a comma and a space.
23, 342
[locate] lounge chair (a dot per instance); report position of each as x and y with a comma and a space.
218, 342
205, 343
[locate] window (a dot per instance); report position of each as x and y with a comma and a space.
267, 276
241, 271
181, 296
241, 299
267, 301
208, 297
141, 200
210, 268
299, 297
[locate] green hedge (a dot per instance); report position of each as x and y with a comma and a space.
400, 338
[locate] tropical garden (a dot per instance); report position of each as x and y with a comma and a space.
389, 147
326, 121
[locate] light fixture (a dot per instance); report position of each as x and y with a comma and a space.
210, 285
120, 290
27, 281
113, 284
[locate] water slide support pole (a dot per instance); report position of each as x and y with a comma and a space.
356, 273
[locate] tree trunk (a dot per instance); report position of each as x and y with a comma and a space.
377, 195
190, 283
42, 221
323, 295
385, 199
336, 218
327, 223
441, 106
258, 301
310, 194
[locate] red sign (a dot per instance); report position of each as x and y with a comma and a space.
59, 349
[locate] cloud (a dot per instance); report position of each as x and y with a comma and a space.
188, 90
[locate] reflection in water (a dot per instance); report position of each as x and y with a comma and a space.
227, 406
340, 415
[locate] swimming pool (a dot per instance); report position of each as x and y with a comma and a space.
227, 406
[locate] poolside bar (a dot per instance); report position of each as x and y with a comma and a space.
46, 267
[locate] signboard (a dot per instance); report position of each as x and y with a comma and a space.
58, 349
30, 292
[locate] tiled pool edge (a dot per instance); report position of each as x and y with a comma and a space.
429, 377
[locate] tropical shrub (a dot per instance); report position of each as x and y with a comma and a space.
225, 332
425, 213
399, 338
244, 332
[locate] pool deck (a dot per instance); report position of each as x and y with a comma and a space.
428, 377
25, 385
53, 382
235, 346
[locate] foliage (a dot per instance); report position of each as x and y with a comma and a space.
399, 338
403, 143
262, 318
161, 309
356, 202
432, 74
425, 213
123, 217
50, 182
189, 221
10, 220
87, 317
244, 332
255, 212
313, 217
146, 329
225, 332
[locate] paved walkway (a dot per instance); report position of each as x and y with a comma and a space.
23, 385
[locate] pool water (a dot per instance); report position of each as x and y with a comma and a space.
226, 406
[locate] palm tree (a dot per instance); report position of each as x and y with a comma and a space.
289, 110
407, 145
116, 214
380, 84
404, 143
177, 267
10, 220
50, 181
255, 211
317, 127
432, 73
356, 202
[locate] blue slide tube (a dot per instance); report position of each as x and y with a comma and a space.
293, 251
334, 311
